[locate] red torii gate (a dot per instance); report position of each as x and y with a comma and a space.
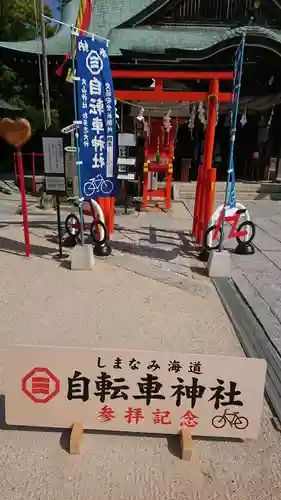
205, 204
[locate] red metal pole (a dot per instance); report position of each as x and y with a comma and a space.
23, 204
197, 201
169, 176
145, 185
112, 203
33, 175
16, 168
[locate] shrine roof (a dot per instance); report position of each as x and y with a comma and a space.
112, 19
158, 40
187, 38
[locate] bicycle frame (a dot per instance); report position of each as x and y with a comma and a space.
86, 212
234, 219
233, 416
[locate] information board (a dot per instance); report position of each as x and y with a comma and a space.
55, 185
126, 162
53, 155
54, 167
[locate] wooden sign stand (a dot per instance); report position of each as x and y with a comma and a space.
186, 444
76, 438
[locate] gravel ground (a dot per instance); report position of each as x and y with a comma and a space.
43, 303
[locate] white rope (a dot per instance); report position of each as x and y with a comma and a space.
77, 30
148, 108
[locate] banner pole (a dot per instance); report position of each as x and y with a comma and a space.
77, 137
239, 59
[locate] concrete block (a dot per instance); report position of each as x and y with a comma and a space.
82, 258
219, 264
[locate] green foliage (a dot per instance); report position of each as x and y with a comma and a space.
18, 22
15, 90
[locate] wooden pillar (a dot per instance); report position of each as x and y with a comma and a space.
212, 121
211, 191
197, 201
207, 198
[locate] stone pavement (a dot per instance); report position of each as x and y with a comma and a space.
151, 294
258, 276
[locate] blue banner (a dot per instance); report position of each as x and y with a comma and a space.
96, 111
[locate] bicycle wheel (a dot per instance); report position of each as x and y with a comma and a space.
89, 188
219, 422
250, 227
96, 229
72, 225
107, 186
241, 423
209, 235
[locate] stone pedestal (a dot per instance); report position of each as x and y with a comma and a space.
82, 258
219, 264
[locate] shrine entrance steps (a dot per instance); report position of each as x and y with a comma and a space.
245, 191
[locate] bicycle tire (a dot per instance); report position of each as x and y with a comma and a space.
250, 224
205, 240
219, 419
89, 193
94, 230
244, 424
107, 183
68, 225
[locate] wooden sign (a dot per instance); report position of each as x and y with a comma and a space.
138, 391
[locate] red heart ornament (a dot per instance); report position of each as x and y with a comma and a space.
15, 132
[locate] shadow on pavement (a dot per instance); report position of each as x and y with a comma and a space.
146, 251
65, 433
18, 248
180, 241
202, 271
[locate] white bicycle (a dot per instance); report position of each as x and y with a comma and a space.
98, 183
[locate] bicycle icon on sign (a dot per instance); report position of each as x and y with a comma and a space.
219, 421
96, 184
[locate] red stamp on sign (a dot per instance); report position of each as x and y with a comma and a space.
40, 385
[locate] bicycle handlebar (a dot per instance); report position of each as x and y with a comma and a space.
75, 199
